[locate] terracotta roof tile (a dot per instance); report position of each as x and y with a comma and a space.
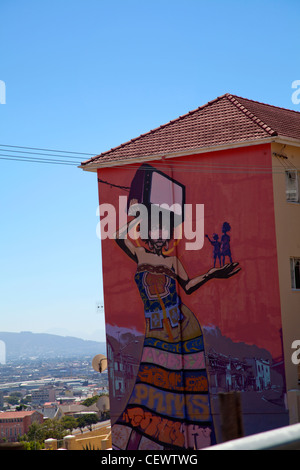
15, 414
286, 122
228, 119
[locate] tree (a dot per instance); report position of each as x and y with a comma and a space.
90, 420
87, 420
69, 422
81, 423
35, 433
90, 401
33, 440
38, 433
21, 407
54, 429
14, 398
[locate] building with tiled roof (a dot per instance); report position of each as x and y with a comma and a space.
17, 423
222, 123
233, 166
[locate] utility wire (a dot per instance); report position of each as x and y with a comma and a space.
177, 167
208, 168
35, 160
59, 157
47, 150
39, 153
194, 167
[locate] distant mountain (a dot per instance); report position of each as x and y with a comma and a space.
26, 344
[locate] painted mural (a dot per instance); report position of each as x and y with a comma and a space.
170, 348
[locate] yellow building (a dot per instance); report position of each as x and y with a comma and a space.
286, 179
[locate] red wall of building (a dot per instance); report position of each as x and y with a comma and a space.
239, 316
17, 423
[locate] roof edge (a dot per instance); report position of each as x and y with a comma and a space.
179, 118
216, 148
235, 100
89, 165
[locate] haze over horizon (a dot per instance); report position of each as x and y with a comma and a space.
96, 335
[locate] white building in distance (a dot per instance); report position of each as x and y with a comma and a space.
2, 352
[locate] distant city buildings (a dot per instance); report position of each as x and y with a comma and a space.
43, 395
45, 392
48, 389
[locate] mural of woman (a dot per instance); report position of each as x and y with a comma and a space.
169, 406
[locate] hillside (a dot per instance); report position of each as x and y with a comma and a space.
26, 344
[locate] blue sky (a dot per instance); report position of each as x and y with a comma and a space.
85, 76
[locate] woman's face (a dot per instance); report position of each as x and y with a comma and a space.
158, 238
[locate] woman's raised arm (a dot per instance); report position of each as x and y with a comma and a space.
127, 246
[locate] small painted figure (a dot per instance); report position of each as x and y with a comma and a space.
217, 247
225, 243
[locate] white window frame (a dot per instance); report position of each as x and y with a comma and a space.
292, 195
293, 261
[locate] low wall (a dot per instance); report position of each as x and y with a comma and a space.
97, 439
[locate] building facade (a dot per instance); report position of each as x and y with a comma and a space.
42, 395
17, 423
211, 296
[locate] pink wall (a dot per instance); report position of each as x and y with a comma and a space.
239, 316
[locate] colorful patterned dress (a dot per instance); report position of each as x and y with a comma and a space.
169, 407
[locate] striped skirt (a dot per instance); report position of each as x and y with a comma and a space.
169, 407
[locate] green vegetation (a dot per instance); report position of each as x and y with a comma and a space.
17, 399
87, 420
94, 399
55, 429
90, 401
38, 433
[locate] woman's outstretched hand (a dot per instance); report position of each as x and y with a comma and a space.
224, 272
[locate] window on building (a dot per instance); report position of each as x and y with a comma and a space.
292, 180
295, 272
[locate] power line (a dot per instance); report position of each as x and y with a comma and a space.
46, 154
207, 168
36, 160
59, 157
177, 166
48, 150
